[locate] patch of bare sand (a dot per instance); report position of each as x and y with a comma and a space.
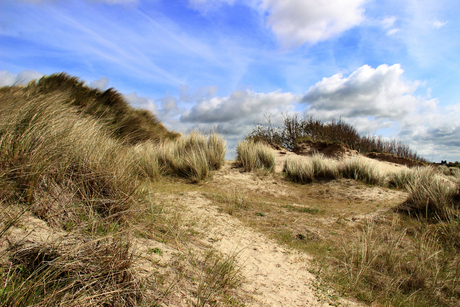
30, 230
273, 275
234, 178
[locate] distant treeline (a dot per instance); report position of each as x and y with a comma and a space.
296, 129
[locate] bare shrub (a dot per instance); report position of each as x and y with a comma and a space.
296, 129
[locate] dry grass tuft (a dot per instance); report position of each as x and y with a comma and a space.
302, 170
359, 168
391, 265
255, 155
219, 274
94, 273
125, 123
193, 156
431, 195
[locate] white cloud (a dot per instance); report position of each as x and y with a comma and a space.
434, 132
393, 31
166, 108
379, 93
102, 84
24, 77
438, 24
207, 5
237, 107
388, 22
296, 22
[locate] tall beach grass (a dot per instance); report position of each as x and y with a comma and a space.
255, 155
193, 156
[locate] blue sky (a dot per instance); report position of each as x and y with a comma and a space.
390, 68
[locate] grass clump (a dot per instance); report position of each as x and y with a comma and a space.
399, 266
358, 168
432, 195
219, 273
65, 169
108, 107
305, 170
51, 155
193, 156
94, 273
255, 155
399, 179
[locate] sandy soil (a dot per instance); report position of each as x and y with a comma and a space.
273, 275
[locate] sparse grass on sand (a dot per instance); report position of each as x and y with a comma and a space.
99, 188
407, 256
87, 182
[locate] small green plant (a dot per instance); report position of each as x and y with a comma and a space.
219, 273
155, 250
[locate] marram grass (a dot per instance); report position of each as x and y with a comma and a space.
255, 155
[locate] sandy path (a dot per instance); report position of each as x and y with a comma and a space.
274, 276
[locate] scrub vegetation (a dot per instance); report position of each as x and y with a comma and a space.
296, 129
97, 203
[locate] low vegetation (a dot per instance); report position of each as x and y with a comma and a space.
80, 160
101, 179
255, 155
296, 129
193, 156
301, 170
108, 107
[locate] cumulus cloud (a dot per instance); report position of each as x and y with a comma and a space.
380, 93
102, 84
239, 106
295, 22
166, 108
24, 77
434, 132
